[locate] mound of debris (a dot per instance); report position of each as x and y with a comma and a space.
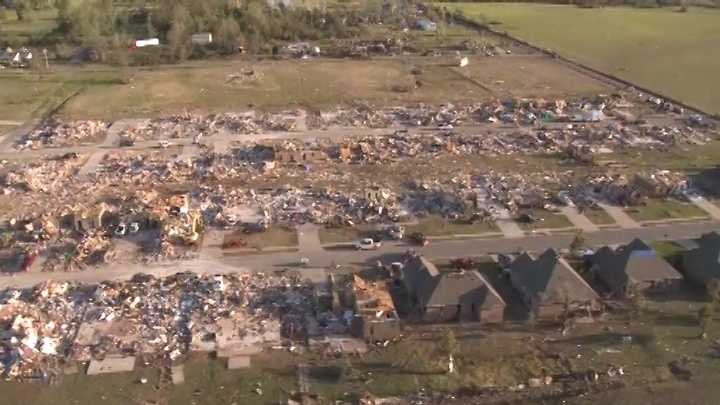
57, 133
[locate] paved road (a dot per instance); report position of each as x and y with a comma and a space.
229, 263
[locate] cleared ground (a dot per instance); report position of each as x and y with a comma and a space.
671, 52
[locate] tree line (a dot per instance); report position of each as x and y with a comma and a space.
253, 25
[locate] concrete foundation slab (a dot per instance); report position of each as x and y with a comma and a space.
111, 365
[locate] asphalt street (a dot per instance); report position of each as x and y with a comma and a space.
220, 262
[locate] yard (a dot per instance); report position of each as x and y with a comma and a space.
346, 233
598, 216
276, 236
437, 226
634, 44
544, 219
658, 209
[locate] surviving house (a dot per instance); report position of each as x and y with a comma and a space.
634, 268
702, 264
549, 286
449, 297
375, 318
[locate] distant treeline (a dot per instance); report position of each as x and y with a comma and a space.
601, 3
109, 28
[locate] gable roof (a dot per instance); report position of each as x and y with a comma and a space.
549, 278
435, 289
636, 262
703, 263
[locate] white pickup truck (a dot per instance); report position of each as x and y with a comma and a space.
367, 244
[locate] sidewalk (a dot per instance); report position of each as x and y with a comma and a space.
620, 216
706, 206
579, 220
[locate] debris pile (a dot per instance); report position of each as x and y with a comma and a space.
37, 176
161, 318
57, 133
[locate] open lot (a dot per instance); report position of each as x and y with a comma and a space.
226, 85
214, 87
634, 44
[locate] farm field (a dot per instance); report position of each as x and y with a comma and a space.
634, 44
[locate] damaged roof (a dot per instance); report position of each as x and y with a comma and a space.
702, 264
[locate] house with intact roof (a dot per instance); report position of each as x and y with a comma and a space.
452, 296
634, 268
702, 264
549, 286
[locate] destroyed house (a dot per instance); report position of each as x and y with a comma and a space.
702, 264
549, 286
375, 317
376, 194
299, 156
450, 297
634, 268
86, 219
661, 183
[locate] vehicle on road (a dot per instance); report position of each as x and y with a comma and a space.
367, 244
419, 238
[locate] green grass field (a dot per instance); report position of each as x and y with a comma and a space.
665, 209
662, 49
438, 226
545, 220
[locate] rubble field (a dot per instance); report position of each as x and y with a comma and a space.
452, 168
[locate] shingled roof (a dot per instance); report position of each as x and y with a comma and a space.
432, 288
702, 264
549, 279
635, 262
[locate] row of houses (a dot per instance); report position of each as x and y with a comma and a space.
549, 286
